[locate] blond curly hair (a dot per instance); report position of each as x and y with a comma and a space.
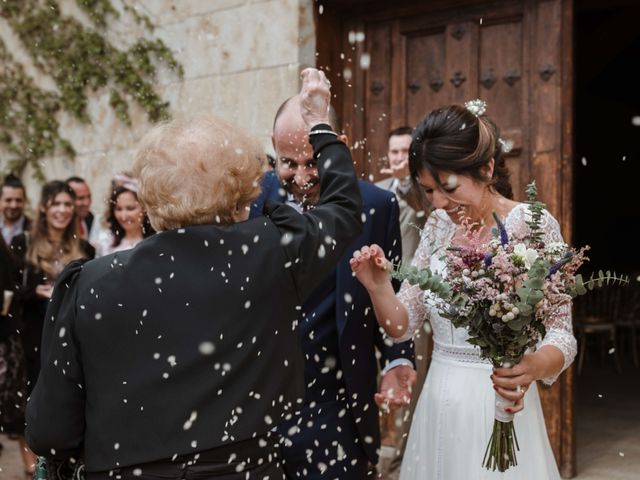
198, 170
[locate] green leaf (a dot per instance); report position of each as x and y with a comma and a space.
81, 60
425, 279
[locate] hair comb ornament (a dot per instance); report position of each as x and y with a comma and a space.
505, 145
477, 107
126, 181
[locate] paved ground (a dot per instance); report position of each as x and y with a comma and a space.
11, 467
607, 427
608, 423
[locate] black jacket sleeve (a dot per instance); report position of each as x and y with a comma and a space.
316, 240
55, 411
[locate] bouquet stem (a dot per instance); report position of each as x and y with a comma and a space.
503, 444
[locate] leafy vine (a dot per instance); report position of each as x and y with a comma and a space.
80, 60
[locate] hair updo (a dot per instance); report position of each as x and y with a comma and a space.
453, 139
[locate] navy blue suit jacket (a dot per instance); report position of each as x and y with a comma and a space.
358, 330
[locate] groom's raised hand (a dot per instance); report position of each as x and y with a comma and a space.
315, 96
396, 388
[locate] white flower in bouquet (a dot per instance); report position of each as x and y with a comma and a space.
556, 248
527, 255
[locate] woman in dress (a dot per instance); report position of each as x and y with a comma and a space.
128, 222
12, 371
456, 159
42, 253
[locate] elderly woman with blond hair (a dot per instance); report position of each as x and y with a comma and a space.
177, 359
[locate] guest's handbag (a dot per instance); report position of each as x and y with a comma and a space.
48, 469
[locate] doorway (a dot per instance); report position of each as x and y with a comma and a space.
607, 217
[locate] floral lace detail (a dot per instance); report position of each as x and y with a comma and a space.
465, 354
436, 235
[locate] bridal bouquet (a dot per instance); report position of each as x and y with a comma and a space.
504, 294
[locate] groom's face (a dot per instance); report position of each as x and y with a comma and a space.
295, 165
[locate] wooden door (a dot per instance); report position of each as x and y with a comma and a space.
390, 65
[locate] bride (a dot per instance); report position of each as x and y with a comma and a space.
456, 158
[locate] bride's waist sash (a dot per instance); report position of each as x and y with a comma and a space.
460, 354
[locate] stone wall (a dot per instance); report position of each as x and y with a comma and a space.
241, 59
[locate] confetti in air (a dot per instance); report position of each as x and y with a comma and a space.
452, 181
365, 61
189, 423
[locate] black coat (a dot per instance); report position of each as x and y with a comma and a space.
7, 283
188, 341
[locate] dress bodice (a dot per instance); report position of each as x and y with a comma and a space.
450, 341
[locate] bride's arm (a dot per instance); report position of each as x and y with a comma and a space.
554, 353
559, 326
372, 270
403, 314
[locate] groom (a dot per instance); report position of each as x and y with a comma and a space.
336, 433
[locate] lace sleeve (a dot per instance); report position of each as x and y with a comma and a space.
559, 326
432, 238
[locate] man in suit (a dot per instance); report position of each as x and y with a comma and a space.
412, 214
83, 205
336, 434
13, 221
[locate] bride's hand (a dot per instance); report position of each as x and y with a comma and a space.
513, 383
371, 267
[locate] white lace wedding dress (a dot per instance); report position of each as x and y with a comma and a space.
454, 416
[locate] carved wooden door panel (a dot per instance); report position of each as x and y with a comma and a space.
418, 64
392, 64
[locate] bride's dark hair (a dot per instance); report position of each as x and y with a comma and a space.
454, 139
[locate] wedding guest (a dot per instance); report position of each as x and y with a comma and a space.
336, 433
412, 208
42, 253
457, 159
128, 223
172, 360
13, 197
83, 205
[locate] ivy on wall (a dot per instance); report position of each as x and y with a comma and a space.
81, 61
